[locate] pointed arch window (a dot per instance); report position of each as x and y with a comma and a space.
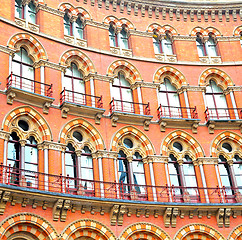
113, 36
27, 12
164, 45
67, 25
123, 38
74, 85
169, 100
200, 46
157, 43
122, 94
211, 47
23, 71
216, 102
79, 28
167, 45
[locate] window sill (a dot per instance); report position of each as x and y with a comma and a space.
27, 97
210, 60
121, 52
31, 26
77, 41
166, 58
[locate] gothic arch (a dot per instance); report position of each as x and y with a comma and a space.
186, 137
205, 31
32, 222
131, 73
222, 136
198, 231
238, 31
41, 129
118, 22
219, 76
74, 11
82, 60
236, 233
144, 230
88, 228
174, 75
137, 134
94, 139
34, 47
162, 29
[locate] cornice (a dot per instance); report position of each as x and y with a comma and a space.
6, 50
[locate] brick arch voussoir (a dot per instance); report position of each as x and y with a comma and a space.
205, 230
128, 67
126, 22
238, 31
140, 136
197, 30
83, 13
40, 226
42, 124
222, 136
110, 19
88, 127
67, 6
176, 76
84, 60
87, 227
34, 44
195, 146
168, 28
154, 26
236, 233
142, 229
212, 30
221, 75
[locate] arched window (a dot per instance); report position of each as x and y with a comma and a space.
211, 48
167, 45
113, 36
27, 12
79, 29
200, 46
67, 25
122, 94
74, 85
23, 71
123, 38
169, 100
216, 101
157, 43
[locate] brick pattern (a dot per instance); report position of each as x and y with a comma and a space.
236, 233
74, 11
174, 75
131, 72
198, 231
42, 126
219, 76
118, 22
238, 31
31, 41
205, 31
225, 135
87, 228
87, 127
27, 222
144, 141
162, 29
144, 231
86, 64
193, 143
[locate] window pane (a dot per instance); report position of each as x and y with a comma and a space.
157, 45
32, 12
79, 28
31, 155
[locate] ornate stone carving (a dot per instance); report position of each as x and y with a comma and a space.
4, 199
10, 97
114, 215
167, 217
57, 209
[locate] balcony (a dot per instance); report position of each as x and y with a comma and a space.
177, 117
29, 91
81, 104
19, 178
223, 118
130, 112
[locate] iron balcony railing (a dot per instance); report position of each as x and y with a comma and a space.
129, 107
177, 112
29, 85
223, 113
80, 98
91, 188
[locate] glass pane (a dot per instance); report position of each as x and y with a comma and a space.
12, 153
123, 81
70, 171
79, 28
31, 154
87, 174
69, 159
86, 161
116, 93
169, 86
28, 72
200, 47
32, 13
31, 167
211, 47
157, 45
18, 9
210, 101
167, 46
25, 58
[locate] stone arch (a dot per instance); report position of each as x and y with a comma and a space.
95, 139
144, 230
129, 70
107, 20
162, 29
83, 61
236, 233
186, 137
88, 228
40, 227
192, 231
238, 31
35, 48
73, 10
220, 77
205, 32
42, 129
126, 22
222, 136
175, 76
137, 134
154, 26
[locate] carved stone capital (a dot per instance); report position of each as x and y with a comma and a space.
207, 160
